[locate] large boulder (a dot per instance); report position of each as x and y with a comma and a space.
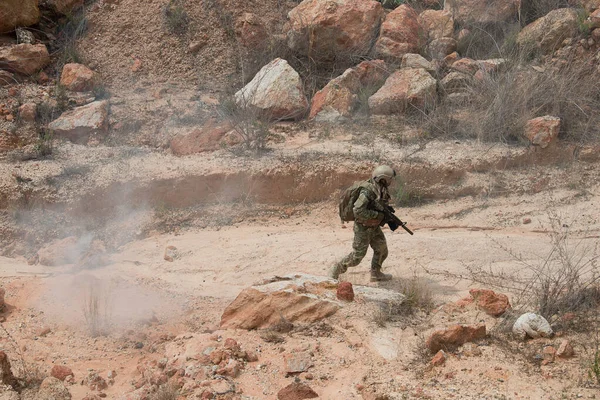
209, 137
297, 298
454, 336
437, 24
482, 11
24, 59
16, 13
59, 252
401, 33
542, 131
276, 92
411, 60
78, 78
404, 88
335, 28
53, 389
79, 124
547, 33
341, 96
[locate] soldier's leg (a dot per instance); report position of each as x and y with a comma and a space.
360, 245
380, 253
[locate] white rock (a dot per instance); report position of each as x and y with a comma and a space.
532, 325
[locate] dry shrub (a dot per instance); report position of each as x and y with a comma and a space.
95, 310
486, 41
175, 17
249, 123
165, 392
534, 9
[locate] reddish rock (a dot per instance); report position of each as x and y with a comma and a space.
594, 19
25, 59
297, 362
401, 33
18, 13
542, 131
78, 78
59, 252
251, 31
328, 29
295, 299
494, 304
403, 89
27, 112
95, 381
466, 12
6, 375
345, 292
232, 368
340, 97
209, 137
80, 124
438, 49
548, 33
439, 358
296, 391
565, 350
437, 24
548, 354
217, 356
451, 59
231, 344
526, 221
136, 65
466, 66
276, 91
60, 372
454, 337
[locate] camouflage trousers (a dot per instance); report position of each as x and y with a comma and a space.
363, 238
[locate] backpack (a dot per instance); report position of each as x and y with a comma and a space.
347, 200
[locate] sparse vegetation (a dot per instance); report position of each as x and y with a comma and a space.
175, 17
250, 123
70, 32
95, 311
165, 392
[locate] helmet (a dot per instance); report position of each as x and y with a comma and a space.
384, 174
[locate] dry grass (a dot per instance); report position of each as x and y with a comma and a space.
165, 392
95, 311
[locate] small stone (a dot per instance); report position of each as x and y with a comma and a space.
139, 345
345, 291
526, 221
61, 372
565, 350
170, 253
298, 362
549, 353
137, 65
439, 358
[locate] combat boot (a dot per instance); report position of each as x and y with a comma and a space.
378, 276
337, 270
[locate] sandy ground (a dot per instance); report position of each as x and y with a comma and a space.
213, 265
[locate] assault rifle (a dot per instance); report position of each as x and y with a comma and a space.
393, 221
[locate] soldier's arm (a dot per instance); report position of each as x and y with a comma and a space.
361, 210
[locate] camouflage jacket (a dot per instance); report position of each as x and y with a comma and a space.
368, 202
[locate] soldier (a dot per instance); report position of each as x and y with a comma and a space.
373, 195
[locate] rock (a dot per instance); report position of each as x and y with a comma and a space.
60, 372
466, 66
25, 59
276, 92
400, 33
78, 78
404, 88
24, 36
565, 350
94, 257
251, 31
297, 362
548, 354
8, 141
467, 12
27, 112
494, 304
547, 33
6, 78
326, 30
2, 303
209, 137
231, 369
64, 7
95, 382
345, 292
439, 358
451, 59
53, 389
294, 297
79, 124
526, 221
296, 391
7, 393
18, 13
341, 96
455, 82
454, 337
59, 252
594, 19
542, 131
438, 49
411, 60
531, 325
437, 24
170, 253
6, 375
492, 65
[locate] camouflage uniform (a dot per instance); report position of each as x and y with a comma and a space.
367, 229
